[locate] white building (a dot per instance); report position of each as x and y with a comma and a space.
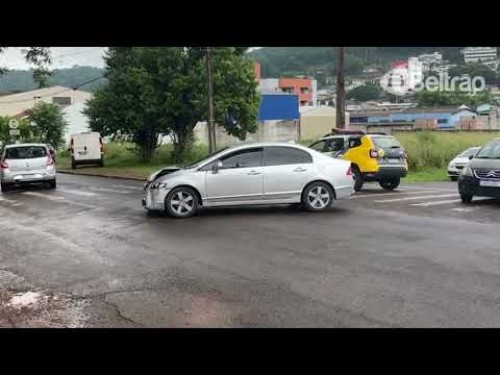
77, 122
444, 68
479, 54
72, 102
430, 61
268, 84
415, 72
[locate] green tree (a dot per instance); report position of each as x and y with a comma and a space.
41, 58
364, 93
4, 130
26, 135
475, 70
154, 91
50, 124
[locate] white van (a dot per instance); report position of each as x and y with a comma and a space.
86, 148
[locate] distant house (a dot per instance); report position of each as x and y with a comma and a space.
446, 117
72, 103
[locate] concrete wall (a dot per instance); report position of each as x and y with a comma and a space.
317, 122
268, 131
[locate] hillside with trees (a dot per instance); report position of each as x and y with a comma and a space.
22, 80
321, 61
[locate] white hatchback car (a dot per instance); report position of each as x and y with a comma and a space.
251, 174
26, 163
459, 162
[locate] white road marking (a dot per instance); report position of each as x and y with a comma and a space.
430, 188
127, 187
78, 192
80, 204
58, 198
50, 197
416, 198
462, 209
436, 203
111, 190
11, 202
400, 193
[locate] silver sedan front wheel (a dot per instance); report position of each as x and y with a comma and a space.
181, 202
318, 196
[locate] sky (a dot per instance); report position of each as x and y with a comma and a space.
62, 57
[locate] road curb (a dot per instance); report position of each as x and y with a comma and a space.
104, 175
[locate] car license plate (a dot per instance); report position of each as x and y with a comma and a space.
489, 183
393, 161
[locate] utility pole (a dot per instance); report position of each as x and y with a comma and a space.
340, 102
211, 121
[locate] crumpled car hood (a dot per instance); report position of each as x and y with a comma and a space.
163, 172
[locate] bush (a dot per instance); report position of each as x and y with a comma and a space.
434, 150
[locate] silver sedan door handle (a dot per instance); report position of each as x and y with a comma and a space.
253, 173
300, 169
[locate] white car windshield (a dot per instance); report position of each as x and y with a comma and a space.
469, 152
490, 151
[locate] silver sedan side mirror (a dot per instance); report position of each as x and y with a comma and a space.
216, 166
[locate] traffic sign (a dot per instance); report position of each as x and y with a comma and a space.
14, 132
13, 124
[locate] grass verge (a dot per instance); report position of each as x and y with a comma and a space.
427, 175
428, 156
121, 160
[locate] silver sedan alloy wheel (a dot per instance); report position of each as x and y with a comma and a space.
182, 203
318, 197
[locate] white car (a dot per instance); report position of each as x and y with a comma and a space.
456, 165
26, 163
251, 174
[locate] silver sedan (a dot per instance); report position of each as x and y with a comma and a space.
251, 174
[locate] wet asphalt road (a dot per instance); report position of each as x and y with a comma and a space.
412, 258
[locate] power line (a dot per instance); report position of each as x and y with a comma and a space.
77, 53
54, 93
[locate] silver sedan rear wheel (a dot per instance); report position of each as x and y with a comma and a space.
318, 196
181, 202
